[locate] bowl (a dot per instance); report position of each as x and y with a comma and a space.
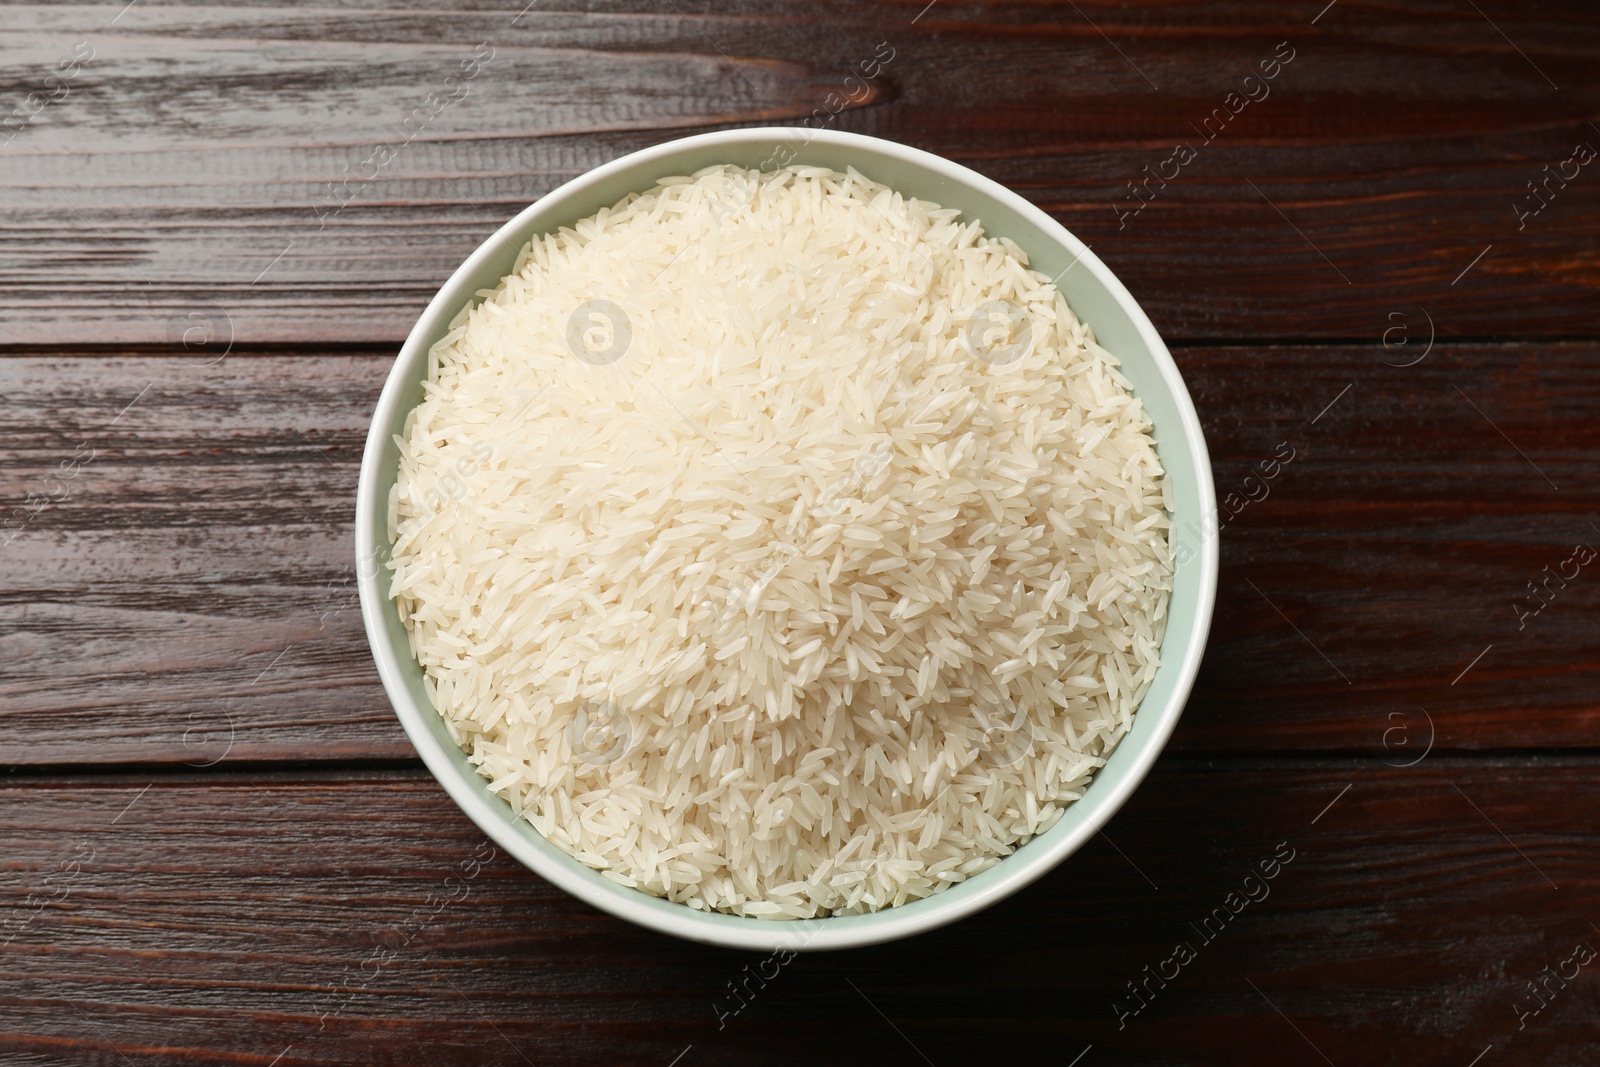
1099, 300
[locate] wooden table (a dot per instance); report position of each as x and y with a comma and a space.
216, 845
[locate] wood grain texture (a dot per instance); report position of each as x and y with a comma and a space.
1398, 547
192, 597
215, 844
191, 168
211, 610
232, 919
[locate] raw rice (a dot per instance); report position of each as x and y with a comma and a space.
779, 545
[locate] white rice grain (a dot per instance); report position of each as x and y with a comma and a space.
758, 566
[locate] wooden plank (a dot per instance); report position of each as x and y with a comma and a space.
196, 169
1399, 581
360, 918
191, 597
192, 594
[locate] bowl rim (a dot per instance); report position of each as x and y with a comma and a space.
741, 932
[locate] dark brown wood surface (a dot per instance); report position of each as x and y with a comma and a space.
216, 845
359, 917
201, 144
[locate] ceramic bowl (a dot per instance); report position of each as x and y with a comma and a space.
1099, 300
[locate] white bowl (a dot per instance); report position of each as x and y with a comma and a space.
1099, 300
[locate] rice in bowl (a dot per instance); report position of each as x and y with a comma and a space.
779, 545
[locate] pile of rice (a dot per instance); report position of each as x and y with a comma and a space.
779, 545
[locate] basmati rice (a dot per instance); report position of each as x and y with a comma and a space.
780, 545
